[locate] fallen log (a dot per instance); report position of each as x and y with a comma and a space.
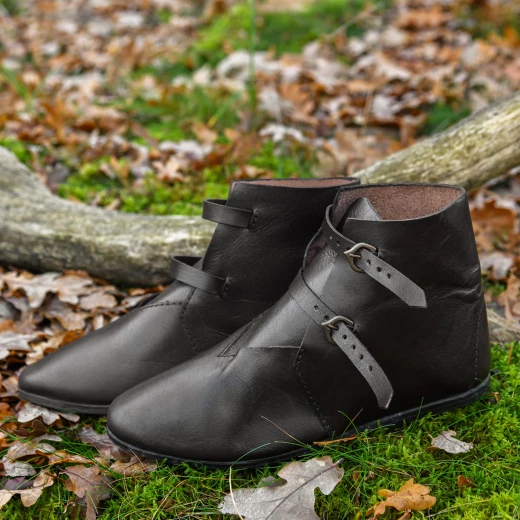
476, 150
42, 232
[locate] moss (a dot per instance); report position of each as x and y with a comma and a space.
443, 115
284, 32
17, 147
171, 118
381, 458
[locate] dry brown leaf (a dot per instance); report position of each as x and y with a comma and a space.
103, 444
68, 288
410, 497
446, 441
492, 222
28, 412
133, 466
510, 298
464, 482
28, 496
497, 264
293, 498
89, 483
98, 300
62, 457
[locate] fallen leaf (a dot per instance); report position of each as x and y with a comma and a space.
410, 497
446, 441
67, 288
17, 469
89, 483
32, 494
133, 466
293, 498
102, 442
28, 412
510, 298
99, 299
497, 264
464, 482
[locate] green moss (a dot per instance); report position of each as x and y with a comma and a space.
13, 7
171, 118
495, 287
17, 147
155, 197
284, 32
286, 161
378, 459
442, 115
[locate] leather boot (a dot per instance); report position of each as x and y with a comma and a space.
386, 322
254, 254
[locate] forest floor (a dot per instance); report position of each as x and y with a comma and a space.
151, 106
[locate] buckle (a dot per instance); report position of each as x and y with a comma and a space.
351, 254
330, 325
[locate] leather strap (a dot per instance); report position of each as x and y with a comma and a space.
361, 259
338, 328
181, 269
216, 210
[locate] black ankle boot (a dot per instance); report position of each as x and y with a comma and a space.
386, 322
255, 253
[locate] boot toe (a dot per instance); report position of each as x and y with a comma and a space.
198, 413
60, 382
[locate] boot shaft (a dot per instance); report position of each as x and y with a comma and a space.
425, 232
260, 261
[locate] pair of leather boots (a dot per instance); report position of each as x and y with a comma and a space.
321, 306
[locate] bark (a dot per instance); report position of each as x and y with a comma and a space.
42, 232
479, 148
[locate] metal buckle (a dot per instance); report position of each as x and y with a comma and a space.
330, 325
351, 254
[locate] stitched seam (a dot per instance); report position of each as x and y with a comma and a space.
161, 305
183, 321
322, 419
476, 339
136, 309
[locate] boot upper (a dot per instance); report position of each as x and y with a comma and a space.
256, 250
413, 331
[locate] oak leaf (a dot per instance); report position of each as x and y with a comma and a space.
292, 499
101, 441
446, 441
29, 495
410, 497
134, 466
87, 482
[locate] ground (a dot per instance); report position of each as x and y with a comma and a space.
148, 106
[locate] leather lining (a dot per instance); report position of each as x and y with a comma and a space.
374, 266
400, 201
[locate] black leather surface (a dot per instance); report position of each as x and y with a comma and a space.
278, 380
258, 264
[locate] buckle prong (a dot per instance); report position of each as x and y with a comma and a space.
351, 254
330, 325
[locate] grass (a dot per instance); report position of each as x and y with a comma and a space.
443, 115
284, 32
378, 459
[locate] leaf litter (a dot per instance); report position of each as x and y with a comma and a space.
349, 101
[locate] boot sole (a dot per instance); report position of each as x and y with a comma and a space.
394, 420
64, 406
